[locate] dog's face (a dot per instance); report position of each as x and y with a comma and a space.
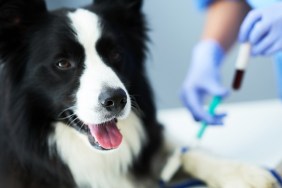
76, 61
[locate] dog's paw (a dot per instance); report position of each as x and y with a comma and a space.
234, 175
220, 173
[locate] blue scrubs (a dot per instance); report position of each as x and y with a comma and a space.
202, 4
253, 3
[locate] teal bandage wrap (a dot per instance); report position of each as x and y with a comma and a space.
215, 102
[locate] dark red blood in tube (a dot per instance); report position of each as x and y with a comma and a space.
237, 82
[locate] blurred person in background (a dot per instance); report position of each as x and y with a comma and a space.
258, 22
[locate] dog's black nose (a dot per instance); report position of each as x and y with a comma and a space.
114, 100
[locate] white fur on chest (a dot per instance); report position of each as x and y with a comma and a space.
93, 168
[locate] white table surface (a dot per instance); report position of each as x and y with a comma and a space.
252, 132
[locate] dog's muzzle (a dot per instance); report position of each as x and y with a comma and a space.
104, 135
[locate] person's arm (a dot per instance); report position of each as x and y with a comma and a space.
223, 21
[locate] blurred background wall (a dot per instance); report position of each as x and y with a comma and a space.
175, 27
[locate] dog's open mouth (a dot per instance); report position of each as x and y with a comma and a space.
103, 136
106, 134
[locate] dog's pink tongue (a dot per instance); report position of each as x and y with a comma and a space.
107, 135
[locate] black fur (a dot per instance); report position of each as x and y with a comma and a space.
33, 92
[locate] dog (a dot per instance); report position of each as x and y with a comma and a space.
77, 109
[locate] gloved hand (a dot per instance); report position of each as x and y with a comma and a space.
263, 29
203, 79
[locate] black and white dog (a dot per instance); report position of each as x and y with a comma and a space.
76, 107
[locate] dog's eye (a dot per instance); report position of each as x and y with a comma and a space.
64, 64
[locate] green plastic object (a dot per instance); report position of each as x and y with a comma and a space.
214, 103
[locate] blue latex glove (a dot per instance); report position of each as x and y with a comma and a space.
203, 79
263, 29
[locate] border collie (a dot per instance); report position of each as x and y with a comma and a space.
76, 106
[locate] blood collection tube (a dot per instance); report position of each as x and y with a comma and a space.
241, 64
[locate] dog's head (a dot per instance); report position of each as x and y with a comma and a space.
75, 65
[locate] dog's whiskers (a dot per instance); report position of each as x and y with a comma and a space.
67, 110
82, 124
135, 107
72, 121
67, 117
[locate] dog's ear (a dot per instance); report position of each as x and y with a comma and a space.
16, 16
17, 12
134, 5
119, 11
